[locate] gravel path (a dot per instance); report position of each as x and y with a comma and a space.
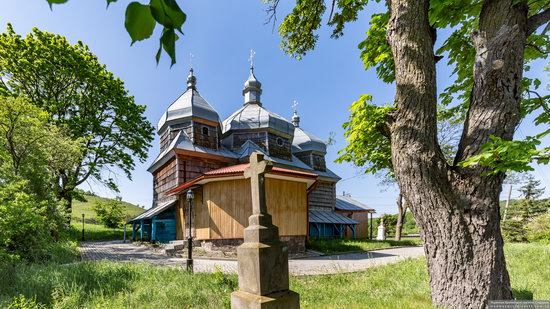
351, 262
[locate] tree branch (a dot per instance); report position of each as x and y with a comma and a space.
537, 20
271, 13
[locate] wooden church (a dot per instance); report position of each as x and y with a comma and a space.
201, 153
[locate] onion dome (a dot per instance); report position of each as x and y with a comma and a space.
304, 141
190, 104
252, 89
254, 116
296, 119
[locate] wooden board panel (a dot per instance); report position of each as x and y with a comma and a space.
362, 229
228, 206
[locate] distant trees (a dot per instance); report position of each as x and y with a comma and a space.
82, 99
110, 213
522, 213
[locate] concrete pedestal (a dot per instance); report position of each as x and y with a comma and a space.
263, 268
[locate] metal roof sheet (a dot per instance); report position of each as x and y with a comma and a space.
155, 210
323, 216
305, 141
254, 116
182, 141
189, 104
249, 147
349, 204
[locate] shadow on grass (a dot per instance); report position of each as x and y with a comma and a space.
522, 294
73, 283
329, 246
94, 232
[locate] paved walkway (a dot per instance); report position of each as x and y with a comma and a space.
127, 252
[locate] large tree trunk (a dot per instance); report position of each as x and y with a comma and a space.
456, 209
401, 212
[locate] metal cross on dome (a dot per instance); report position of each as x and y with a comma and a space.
251, 58
295, 106
191, 56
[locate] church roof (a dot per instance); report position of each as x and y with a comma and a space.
323, 216
183, 142
304, 141
189, 104
249, 147
237, 172
254, 116
346, 203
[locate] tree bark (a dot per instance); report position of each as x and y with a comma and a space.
401, 212
456, 209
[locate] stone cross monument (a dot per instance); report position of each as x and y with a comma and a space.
262, 258
381, 230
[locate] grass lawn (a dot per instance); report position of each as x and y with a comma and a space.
346, 245
124, 285
95, 232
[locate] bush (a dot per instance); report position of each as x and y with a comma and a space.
538, 230
110, 213
28, 227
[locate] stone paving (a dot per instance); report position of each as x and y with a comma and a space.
351, 262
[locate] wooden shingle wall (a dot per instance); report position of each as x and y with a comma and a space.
163, 180
323, 197
279, 146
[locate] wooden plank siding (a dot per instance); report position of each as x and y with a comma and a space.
362, 229
182, 208
222, 210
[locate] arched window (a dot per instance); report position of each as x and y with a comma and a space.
205, 131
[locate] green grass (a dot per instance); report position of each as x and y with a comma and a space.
125, 285
93, 230
86, 208
345, 245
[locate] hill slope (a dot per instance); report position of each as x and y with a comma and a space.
86, 208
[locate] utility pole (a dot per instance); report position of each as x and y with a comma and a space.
82, 227
507, 203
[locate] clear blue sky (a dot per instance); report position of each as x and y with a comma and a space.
220, 34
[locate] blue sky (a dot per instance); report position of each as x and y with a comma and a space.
220, 35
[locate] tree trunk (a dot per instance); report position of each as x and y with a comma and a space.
456, 209
401, 212
64, 194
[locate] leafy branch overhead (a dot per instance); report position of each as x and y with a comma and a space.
141, 20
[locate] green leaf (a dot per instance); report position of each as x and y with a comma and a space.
168, 43
139, 21
168, 13
110, 1
50, 2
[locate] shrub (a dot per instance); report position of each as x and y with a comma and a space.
110, 213
27, 226
538, 230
